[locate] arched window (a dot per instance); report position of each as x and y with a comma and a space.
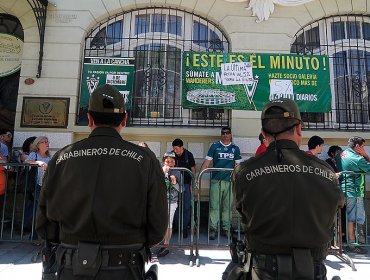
346, 41
156, 37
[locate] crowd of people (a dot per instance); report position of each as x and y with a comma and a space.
136, 218
34, 151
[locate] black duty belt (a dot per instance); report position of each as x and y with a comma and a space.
111, 256
318, 254
265, 262
282, 266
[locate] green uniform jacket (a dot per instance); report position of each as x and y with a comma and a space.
288, 204
103, 189
353, 184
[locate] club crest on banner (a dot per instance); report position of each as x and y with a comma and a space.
92, 83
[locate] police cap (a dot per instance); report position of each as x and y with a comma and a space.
106, 99
288, 106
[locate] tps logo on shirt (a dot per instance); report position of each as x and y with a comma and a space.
225, 156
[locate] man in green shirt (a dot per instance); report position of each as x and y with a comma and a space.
355, 159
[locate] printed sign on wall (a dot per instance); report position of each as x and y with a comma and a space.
246, 81
97, 71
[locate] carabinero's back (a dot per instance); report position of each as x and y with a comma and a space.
100, 188
287, 204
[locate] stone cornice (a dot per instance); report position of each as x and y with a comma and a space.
262, 9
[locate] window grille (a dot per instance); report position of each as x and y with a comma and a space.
156, 37
345, 40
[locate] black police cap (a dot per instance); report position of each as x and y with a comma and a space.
288, 106
106, 99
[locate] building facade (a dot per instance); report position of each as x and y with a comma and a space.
58, 35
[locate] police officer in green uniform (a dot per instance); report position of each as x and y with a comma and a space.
103, 199
287, 200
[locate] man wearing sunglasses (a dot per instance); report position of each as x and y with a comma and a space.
224, 154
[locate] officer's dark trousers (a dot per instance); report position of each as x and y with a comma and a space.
270, 273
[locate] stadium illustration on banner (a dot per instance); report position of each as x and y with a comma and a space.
245, 81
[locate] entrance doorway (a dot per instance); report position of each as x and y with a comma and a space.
12, 32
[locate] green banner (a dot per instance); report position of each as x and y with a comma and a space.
116, 71
245, 81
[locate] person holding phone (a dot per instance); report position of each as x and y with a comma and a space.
355, 159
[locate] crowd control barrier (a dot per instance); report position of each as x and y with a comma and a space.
347, 178
216, 216
336, 246
354, 188
18, 206
17, 201
184, 236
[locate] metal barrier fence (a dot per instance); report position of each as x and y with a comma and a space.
336, 247
222, 221
184, 215
18, 202
18, 205
355, 197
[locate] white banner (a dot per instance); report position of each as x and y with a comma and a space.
238, 73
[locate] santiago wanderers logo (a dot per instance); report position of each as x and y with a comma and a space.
92, 83
45, 108
250, 89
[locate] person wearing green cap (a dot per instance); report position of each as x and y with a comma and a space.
287, 200
104, 199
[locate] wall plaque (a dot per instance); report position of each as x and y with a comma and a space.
45, 112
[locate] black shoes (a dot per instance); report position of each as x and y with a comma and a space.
225, 232
212, 234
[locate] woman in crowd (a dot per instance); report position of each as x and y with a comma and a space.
39, 155
172, 179
20, 155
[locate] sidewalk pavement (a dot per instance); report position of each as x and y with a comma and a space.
16, 263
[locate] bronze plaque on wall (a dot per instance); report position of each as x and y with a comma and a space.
45, 112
